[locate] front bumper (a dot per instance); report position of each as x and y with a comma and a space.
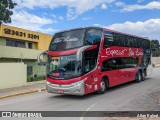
76, 88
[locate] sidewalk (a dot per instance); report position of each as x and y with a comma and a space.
29, 88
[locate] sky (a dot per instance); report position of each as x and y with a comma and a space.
138, 17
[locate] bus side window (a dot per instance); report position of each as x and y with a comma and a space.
135, 43
108, 39
93, 37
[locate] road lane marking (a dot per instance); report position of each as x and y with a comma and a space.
82, 117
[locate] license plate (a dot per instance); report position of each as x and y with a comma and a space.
60, 91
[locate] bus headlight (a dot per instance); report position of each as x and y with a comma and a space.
48, 83
77, 83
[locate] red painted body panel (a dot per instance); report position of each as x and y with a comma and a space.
54, 81
120, 76
61, 53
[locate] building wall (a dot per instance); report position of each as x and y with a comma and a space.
3, 41
20, 53
40, 40
17, 54
12, 75
37, 70
156, 60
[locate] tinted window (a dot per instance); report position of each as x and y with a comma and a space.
130, 62
116, 39
93, 36
63, 67
67, 40
128, 41
108, 39
89, 64
134, 42
121, 40
112, 64
140, 43
119, 63
90, 60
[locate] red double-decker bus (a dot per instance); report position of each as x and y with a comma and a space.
90, 59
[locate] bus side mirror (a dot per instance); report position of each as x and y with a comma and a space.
40, 58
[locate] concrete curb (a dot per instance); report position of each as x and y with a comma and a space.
23, 93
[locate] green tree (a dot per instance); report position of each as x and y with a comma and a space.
155, 44
5, 11
155, 48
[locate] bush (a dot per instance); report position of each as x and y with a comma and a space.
39, 78
30, 78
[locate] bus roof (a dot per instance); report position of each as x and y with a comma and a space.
105, 29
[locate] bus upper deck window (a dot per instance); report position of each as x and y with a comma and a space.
108, 39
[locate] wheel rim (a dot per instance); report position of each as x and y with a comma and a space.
139, 77
103, 86
143, 75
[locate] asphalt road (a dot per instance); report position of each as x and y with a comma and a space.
118, 98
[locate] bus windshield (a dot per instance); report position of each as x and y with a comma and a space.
67, 40
63, 67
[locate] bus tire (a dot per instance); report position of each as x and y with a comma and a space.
102, 86
139, 77
143, 75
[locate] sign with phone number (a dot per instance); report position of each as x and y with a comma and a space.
20, 34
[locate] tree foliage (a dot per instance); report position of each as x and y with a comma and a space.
5, 11
155, 48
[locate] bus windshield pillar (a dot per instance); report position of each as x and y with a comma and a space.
79, 52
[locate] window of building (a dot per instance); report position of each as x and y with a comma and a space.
10, 43
14, 43
29, 70
30, 45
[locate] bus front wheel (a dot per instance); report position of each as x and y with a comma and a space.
102, 87
139, 77
143, 75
